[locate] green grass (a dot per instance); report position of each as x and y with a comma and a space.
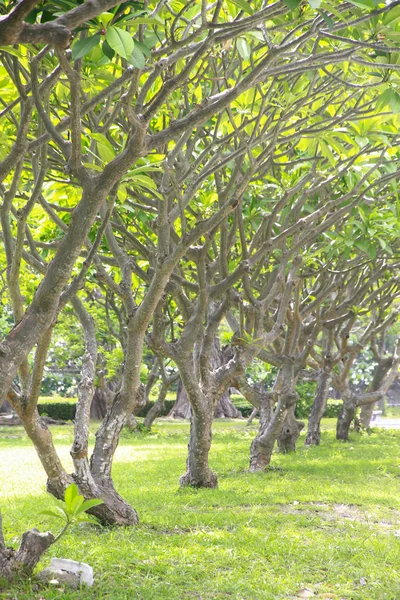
326, 518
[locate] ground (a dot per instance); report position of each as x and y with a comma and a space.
325, 521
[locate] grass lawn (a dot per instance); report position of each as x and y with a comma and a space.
326, 519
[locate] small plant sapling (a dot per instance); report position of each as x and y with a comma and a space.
69, 510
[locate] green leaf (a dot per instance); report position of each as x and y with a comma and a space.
314, 3
83, 47
243, 48
120, 41
363, 3
76, 504
242, 4
52, 513
327, 20
395, 101
104, 147
137, 58
292, 4
88, 504
145, 50
70, 493
108, 51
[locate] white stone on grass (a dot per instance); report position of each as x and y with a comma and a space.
84, 571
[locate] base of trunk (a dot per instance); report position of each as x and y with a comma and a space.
260, 457
290, 434
209, 480
343, 424
21, 562
313, 438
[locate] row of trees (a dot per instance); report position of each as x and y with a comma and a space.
213, 182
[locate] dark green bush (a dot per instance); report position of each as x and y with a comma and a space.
58, 410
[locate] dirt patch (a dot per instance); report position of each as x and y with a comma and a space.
385, 518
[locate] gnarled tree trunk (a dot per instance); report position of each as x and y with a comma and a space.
345, 418
271, 424
290, 432
318, 408
198, 472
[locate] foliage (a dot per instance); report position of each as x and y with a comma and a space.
73, 507
266, 535
64, 411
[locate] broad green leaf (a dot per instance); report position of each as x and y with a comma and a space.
327, 20
137, 58
242, 4
105, 18
53, 513
120, 41
88, 504
392, 15
104, 147
243, 48
395, 101
363, 3
76, 504
108, 51
70, 493
314, 3
145, 50
83, 47
292, 4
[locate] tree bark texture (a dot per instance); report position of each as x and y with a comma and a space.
198, 473
318, 408
14, 563
290, 432
271, 424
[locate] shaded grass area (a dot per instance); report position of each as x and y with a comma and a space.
326, 519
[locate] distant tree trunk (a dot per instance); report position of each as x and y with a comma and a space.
252, 416
381, 370
103, 397
318, 408
198, 473
181, 408
226, 408
271, 423
158, 407
290, 432
6, 408
345, 418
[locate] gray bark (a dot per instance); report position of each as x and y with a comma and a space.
198, 473
14, 563
290, 432
271, 425
318, 408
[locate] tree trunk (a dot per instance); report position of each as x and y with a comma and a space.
198, 473
14, 563
318, 408
253, 415
271, 424
345, 418
290, 432
381, 370
158, 408
6, 408
226, 409
366, 414
181, 408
